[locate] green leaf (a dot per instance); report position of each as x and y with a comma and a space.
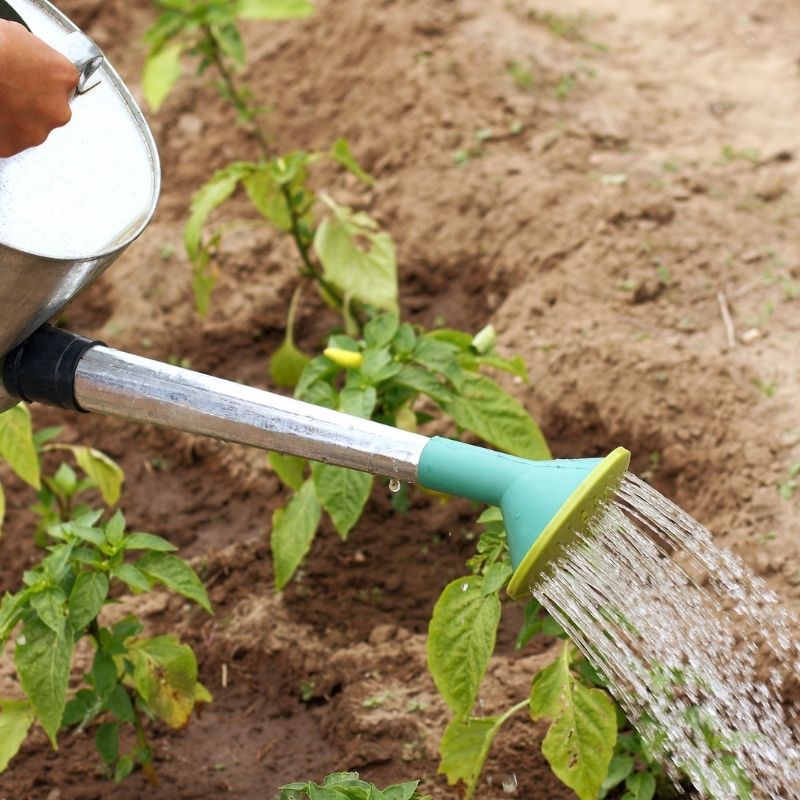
266, 195
118, 702
274, 9
640, 786
290, 469
357, 257
115, 528
165, 675
401, 791
461, 638
102, 470
496, 577
124, 768
175, 574
161, 72
103, 674
49, 605
464, 748
358, 402
16, 717
84, 707
343, 493
484, 408
88, 594
618, 770
341, 153
580, 741
16, 444
420, 380
43, 663
133, 577
484, 340
148, 541
293, 530
211, 195
106, 739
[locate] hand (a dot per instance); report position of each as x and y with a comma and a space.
36, 84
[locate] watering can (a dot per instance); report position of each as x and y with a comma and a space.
69, 207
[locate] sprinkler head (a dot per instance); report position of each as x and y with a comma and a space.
543, 544
544, 503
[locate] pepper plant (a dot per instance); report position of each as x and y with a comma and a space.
348, 786
90, 557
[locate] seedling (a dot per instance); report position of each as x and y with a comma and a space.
349, 786
61, 602
788, 487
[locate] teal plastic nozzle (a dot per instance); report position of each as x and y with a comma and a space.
544, 503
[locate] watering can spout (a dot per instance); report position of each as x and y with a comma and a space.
544, 503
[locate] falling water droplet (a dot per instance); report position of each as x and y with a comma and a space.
21, 640
510, 783
464, 586
394, 485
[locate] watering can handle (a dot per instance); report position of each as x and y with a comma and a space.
85, 56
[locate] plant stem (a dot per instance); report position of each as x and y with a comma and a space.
310, 269
141, 737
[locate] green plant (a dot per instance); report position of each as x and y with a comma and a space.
788, 487
340, 785
61, 600
385, 376
345, 255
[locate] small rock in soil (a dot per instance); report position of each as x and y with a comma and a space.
769, 187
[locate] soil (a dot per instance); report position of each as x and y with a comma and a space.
640, 176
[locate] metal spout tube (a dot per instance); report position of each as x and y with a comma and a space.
123, 385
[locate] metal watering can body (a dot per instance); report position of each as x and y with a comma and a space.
70, 206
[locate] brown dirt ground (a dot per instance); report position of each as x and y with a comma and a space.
654, 176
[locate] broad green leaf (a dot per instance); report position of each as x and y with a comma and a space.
496, 577
161, 71
266, 195
103, 674
484, 340
106, 739
290, 469
165, 675
640, 786
16, 444
102, 470
118, 702
12, 607
133, 577
293, 530
358, 258
420, 380
484, 408
341, 152
358, 402
287, 364
343, 493
16, 717
618, 770
49, 605
124, 767
83, 708
464, 748
88, 594
323, 793
148, 541
380, 330
43, 663
401, 791
211, 195
580, 741
461, 638
115, 528
175, 574
274, 9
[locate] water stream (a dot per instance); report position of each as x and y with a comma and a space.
696, 648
